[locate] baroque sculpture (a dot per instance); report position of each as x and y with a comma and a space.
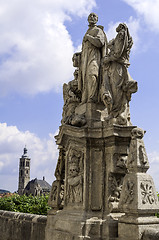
93, 46
102, 190
117, 84
101, 76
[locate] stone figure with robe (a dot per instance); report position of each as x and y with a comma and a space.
117, 84
93, 49
101, 77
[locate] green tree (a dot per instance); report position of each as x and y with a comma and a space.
25, 204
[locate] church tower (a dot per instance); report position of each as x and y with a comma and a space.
24, 172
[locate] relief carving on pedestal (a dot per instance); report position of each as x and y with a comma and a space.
132, 154
53, 194
61, 195
121, 162
142, 155
74, 176
147, 193
56, 197
129, 192
115, 187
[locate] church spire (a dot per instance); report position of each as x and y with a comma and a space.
24, 171
25, 152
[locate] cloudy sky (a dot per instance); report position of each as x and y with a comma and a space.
37, 41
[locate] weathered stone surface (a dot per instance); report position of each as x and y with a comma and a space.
101, 191
151, 233
90, 158
139, 194
138, 199
136, 231
18, 226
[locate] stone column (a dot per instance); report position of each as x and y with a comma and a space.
138, 197
89, 175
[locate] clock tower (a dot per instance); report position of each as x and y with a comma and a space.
24, 171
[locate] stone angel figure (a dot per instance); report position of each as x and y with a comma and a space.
117, 84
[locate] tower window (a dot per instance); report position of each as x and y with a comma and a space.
21, 173
27, 164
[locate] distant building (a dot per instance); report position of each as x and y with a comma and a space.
24, 172
37, 187
2, 191
34, 187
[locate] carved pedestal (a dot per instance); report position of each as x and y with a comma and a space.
138, 199
94, 163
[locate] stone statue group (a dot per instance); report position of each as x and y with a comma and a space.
102, 189
101, 75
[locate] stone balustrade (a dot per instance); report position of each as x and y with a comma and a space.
18, 226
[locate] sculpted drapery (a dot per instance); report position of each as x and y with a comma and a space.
101, 76
93, 48
117, 84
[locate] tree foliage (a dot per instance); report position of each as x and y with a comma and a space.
25, 204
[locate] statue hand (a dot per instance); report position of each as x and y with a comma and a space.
85, 37
108, 101
105, 60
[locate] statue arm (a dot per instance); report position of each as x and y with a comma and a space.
97, 41
108, 58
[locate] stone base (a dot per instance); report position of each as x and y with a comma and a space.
73, 225
65, 225
138, 228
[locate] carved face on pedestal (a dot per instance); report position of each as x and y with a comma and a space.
73, 170
92, 19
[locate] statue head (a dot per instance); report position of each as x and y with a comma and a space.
76, 59
121, 26
92, 18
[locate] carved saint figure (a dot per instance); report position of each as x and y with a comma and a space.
75, 177
71, 97
117, 84
92, 47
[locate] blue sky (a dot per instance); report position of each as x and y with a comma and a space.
38, 39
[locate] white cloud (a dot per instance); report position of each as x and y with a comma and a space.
133, 25
154, 157
148, 10
43, 154
153, 171
35, 46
